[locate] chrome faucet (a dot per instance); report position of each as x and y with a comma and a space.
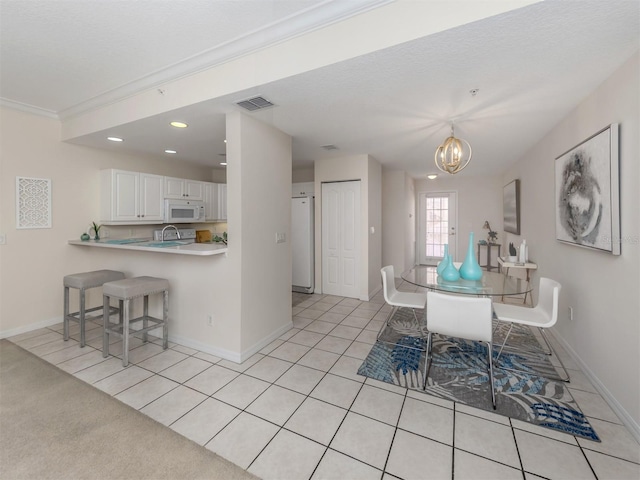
170, 226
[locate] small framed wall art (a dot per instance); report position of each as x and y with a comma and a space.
511, 207
587, 193
33, 202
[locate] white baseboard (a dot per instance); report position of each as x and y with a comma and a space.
218, 352
375, 292
265, 341
618, 409
230, 355
32, 326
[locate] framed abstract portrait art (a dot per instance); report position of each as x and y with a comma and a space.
587, 193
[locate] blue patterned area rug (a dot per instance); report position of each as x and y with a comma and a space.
459, 373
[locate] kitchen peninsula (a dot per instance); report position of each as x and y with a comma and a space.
202, 302
148, 245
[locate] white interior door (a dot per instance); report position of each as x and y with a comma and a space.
437, 226
341, 238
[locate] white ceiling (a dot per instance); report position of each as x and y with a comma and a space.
531, 65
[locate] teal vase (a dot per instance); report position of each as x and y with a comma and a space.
443, 263
470, 268
450, 272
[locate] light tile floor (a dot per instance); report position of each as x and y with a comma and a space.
298, 409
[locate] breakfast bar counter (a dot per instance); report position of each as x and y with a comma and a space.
148, 245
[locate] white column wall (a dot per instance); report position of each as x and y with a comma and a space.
259, 206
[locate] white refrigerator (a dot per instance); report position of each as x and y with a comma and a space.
302, 244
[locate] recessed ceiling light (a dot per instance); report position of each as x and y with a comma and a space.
223, 163
433, 176
225, 140
170, 151
179, 124
115, 139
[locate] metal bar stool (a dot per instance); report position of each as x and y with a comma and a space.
83, 282
125, 291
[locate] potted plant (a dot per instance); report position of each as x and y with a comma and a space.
96, 228
219, 239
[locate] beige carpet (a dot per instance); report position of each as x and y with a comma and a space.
54, 426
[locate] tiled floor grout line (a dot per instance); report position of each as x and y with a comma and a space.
395, 431
306, 397
453, 440
515, 441
328, 447
325, 373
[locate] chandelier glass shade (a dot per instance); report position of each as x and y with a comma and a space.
453, 155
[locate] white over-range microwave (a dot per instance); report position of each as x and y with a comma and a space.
183, 211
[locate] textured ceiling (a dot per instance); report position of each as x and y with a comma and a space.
532, 66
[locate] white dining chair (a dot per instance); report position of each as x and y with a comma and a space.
395, 298
464, 317
544, 315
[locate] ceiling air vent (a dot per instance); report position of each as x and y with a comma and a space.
329, 147
255, 103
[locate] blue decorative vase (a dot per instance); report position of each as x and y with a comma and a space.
443, 263
470, 268
450, 272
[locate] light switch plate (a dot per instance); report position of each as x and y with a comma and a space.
3, 239
280, 237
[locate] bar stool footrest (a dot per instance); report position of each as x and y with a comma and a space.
76, 315
118, 328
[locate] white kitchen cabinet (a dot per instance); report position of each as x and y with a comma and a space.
302, 189
215, 201
222, 202
211, 201
183, 189
131, 197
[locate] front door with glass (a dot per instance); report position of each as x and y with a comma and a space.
436, 227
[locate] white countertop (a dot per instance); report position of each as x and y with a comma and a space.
147, 245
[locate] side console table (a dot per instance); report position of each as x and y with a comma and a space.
489, 247
527, 266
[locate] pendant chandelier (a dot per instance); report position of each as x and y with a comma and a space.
453, 155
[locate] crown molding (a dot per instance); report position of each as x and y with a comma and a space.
313, 18
25, 107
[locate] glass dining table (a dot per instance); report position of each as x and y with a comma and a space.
492, 284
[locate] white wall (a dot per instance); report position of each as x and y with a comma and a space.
398, 218
375, 223
394, 219
259, 203
479, 199
354, 167
33, 262
300, 175
410, 226
601, 288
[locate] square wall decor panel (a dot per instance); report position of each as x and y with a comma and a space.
33, 202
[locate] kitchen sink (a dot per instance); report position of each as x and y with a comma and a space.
126, 241
166, 243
